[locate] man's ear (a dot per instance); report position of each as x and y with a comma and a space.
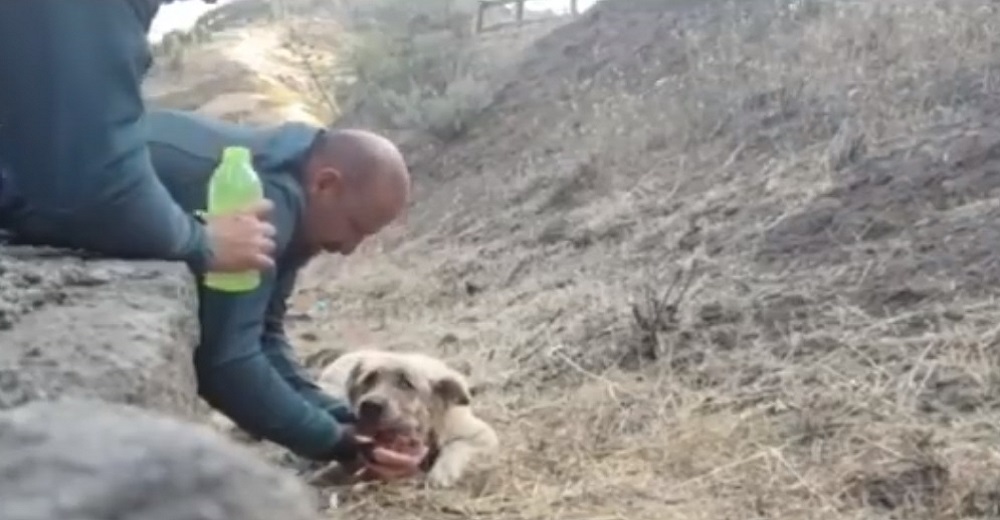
328, 179
452, 391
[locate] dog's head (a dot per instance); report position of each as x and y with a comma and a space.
404, 395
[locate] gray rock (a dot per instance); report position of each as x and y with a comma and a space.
112, 330
87, 460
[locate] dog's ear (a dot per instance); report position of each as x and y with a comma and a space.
353, 380
453, 391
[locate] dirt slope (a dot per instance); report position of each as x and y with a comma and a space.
823, 177
253, 73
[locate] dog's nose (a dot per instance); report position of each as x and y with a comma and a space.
370, 410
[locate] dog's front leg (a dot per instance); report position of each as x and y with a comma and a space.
457, 453
451, 462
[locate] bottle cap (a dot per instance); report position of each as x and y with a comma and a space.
236, 154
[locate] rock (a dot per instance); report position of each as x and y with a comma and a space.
112, 330
88, 460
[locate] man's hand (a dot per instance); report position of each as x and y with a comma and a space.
399, 460
241, 241
398, 457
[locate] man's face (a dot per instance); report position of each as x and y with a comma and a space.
338, 216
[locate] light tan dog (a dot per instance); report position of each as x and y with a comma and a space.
412, 394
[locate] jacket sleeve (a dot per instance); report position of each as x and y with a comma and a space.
280, 353
237, 377
72, 131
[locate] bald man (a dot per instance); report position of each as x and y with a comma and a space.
331, 190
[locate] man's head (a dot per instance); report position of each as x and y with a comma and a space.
356, 183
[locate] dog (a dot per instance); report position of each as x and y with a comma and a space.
413, 395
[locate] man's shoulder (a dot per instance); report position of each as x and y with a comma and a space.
196, 134
283, 185
288, 197
278, 148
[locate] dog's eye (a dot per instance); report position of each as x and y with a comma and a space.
369, 379
405, 383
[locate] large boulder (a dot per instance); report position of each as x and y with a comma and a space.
85, 345
79, 460
117, 331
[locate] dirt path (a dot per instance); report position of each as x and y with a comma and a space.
244, 74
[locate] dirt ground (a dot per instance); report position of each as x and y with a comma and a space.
711, 262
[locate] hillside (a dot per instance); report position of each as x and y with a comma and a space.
250, 72
711, 261
258, 61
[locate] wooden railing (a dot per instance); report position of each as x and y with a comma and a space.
486, 5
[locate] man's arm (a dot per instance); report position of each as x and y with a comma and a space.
72, 131
282, 356
235, 375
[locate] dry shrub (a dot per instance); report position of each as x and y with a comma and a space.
175, 45
414, 67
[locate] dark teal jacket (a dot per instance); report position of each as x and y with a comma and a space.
74, 168
77, 157
245, 365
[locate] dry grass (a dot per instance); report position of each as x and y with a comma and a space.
835, 356
813, 430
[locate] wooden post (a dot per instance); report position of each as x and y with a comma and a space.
520, 12
574, 7
480, 16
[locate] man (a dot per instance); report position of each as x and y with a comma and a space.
330, 189
74, 168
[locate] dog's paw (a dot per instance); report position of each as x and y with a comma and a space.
443, 475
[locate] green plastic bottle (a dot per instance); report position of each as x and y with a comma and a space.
233, 187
